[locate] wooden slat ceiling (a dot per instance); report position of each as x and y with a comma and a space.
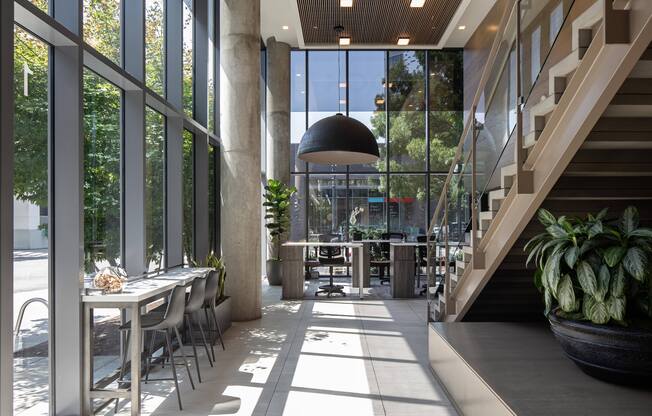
375, 22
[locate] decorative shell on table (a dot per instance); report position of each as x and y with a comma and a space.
110, 279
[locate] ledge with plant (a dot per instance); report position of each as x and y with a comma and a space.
594, 274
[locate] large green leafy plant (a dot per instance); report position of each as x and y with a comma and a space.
277, 213
594, 269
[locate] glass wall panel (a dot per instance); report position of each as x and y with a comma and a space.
326, 92
327, 213
298, 208
407, 131
212, 199
212, 36
102, 27
436, 188
155, 45
155, 189
188, 58
407, 204
367, 99
446, 107
297, 107
367, 206
31, 220
102, 137
188, 198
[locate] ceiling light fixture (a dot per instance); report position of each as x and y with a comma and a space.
461, 27
342, 84
403, 41
346, 3
285, 27
345, 41
417, 3
338, 139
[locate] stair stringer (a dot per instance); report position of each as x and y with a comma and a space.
603, 70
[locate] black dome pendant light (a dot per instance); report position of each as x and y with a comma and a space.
338, 139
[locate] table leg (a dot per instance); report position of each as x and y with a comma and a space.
86, 348
135, 359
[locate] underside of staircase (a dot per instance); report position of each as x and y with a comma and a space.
588, 143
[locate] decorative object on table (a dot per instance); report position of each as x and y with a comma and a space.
595, 277
277, 217
110, 279
338, 139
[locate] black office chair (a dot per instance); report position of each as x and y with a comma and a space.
212, 289
167, 324
422, 261
330, 257
385, 251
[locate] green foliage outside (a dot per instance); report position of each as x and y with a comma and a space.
188, 236
594, 269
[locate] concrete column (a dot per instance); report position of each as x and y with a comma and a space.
240, 156
278, 110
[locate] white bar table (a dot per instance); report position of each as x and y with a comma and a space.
357, 247
135, 294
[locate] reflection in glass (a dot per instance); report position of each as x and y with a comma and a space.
436, 188
102, 27
155, 46
367, 206
30, 228
154, 188
102, 129
188, 58
445, 107
327, 206
188, 234
298, 208
407, 204
407, 131
326, 92
297, 107
367, 99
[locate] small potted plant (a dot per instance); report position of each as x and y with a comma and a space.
277, 217
595, 278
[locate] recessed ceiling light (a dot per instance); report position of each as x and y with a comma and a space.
342, 84
417, 3
345, 41
299, 74
461, 27
403, 41
346, 3
342, 101
285, 27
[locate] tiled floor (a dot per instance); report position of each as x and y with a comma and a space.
317, 357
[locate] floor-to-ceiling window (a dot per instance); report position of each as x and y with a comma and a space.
154, 189
31, 222
412, 102
118, 132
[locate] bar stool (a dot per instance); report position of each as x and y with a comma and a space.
193, 305
212, 289
165, 323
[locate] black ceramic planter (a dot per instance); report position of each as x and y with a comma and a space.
613, 354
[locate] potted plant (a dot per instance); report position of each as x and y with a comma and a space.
595, 278
277, 217
223, 303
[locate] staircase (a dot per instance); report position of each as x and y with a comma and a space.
587, 141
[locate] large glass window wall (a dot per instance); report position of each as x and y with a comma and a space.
412, 101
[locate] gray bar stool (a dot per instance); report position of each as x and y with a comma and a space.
212, 289
193, 305
165, 323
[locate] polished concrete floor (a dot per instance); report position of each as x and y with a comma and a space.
314, 357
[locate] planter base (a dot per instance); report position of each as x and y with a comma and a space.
616, 355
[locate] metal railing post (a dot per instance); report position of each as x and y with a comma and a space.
447, 274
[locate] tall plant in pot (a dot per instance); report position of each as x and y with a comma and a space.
277, 220
594, 274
